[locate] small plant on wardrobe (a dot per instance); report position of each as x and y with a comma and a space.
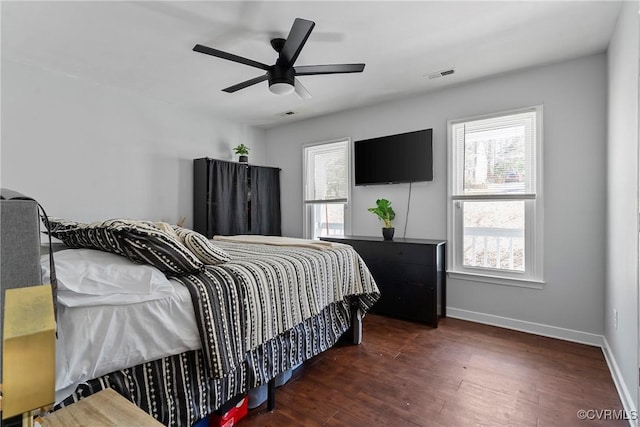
243, 151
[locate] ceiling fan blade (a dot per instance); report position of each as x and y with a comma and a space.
244, 84
229, 56
309, 70
301, 91
300, 31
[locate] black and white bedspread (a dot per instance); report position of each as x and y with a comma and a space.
264, 311
265, 291
177, 390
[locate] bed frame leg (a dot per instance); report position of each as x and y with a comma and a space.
271, 395
356, 324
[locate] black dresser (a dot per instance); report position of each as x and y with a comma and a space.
409, 272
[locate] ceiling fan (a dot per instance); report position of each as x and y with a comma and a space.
282, 75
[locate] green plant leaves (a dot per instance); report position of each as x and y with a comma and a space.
241, 149
384, 211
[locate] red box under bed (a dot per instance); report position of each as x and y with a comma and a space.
231, 416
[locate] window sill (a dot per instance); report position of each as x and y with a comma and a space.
497, 280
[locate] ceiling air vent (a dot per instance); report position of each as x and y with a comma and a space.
439, 74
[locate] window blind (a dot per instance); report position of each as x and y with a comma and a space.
327, 178
495, 157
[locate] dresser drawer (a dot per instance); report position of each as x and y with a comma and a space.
403, 273
388, 252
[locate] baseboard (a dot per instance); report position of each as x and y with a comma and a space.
530, 327
627, 402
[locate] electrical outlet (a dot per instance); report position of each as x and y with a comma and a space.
615, 319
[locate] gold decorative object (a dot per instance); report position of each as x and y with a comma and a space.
28, 346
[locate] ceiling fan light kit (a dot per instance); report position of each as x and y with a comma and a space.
282, 75
281, 88
281, 80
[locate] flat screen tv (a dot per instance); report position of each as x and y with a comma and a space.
406, 157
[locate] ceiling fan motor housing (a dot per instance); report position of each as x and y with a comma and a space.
278, 74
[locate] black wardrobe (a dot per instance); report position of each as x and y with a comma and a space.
235, 198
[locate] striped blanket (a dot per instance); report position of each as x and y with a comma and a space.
265, 291
177, 390
267, 310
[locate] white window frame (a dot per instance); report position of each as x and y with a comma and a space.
307, 205
533, 275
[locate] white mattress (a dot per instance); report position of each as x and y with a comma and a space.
95, 339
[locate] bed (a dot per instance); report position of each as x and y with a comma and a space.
196, 334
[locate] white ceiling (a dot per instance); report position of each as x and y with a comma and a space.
145, 47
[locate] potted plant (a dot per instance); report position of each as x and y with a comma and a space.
243, 151
385, 213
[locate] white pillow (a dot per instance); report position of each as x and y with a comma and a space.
92, 277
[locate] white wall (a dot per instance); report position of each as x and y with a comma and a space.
90, 152
574, 97
622, 201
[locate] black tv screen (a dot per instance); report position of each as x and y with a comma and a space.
406, 157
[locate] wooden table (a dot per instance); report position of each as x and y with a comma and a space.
105, 408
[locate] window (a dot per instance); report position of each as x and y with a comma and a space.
495, 198
326, 189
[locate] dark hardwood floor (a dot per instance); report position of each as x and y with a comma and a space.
460, 374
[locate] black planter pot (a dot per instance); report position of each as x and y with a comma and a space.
244, 159
387, 233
